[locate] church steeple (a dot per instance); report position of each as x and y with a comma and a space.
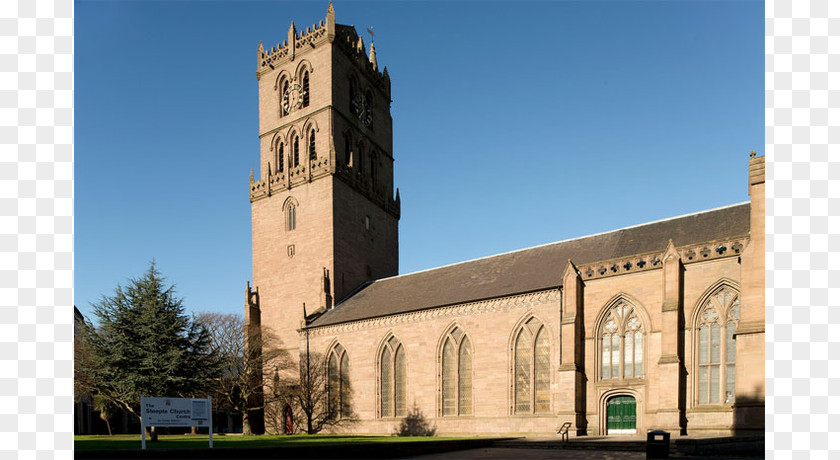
324, 210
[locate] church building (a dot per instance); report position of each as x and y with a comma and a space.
656, 326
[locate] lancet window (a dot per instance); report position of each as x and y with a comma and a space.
295, 152
280, 157
456, 374
312, 154
338, 383
718, 318
622, 343
392, 379
531, 369
305, 90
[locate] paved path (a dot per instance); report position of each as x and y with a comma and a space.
531, 454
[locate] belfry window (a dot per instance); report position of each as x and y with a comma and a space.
715, 344
284, 108
295, 153
280, 156
347, 153
338, 383
392, 379
312, 155
373, 179
305, 89
622, 339
456, 374
531, 373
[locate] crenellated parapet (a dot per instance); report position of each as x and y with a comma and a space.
273, 182
653, 261
349, 41
325, 31
297, 42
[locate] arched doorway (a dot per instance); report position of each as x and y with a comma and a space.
621, 415
288, 420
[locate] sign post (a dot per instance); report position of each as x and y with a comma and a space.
175, 412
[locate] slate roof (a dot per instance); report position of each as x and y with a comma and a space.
531, 269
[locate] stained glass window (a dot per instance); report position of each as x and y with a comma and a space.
531, 373
338, 383
622, 343
456, 374
716, 347
392, 379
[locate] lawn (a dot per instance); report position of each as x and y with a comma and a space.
129, 442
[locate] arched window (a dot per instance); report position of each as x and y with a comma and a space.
295, 153
305, 89
360, 155
312, 154
352, 94
456, 374
291, 217
372, 160
715, 331
392, 379
338, 383
622, 343
531, 369
284, 108
280, 157
347, 152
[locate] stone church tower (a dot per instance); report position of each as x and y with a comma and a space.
324, 213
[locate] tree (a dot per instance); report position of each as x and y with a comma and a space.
105, 408
248, 359
311, 398
146, 345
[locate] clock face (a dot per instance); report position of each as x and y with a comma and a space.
360, 106
292, 98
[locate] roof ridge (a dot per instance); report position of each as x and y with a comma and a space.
563, 241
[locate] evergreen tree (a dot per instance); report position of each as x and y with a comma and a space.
146, 345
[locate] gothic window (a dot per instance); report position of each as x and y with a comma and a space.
531, 374
622, 339
305, 89
338, 383
352, 94
280, 156
715, 343
372, 160
312, 154
285, 89
347, 151
361, 163
456, 374
392, 379
295, 153
291, 217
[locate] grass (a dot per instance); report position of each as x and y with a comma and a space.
131, 442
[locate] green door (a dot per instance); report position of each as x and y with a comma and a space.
621, 415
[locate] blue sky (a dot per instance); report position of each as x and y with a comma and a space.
515, 124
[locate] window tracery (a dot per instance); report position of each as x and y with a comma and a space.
531, 377
392, 379
338, 383
716, 324
622, 341
456, 374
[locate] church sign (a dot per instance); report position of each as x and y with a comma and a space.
175, 412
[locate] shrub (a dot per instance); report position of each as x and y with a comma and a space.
415, 424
